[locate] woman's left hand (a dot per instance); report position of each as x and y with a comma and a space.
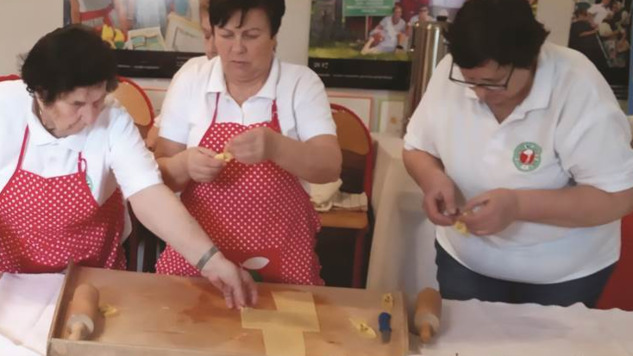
490, 212
236, 284
253, 146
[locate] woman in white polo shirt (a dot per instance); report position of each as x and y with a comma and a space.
274, 119
524, 143
69, 159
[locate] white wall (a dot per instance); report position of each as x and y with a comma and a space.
22, 23
556, 15
295, 32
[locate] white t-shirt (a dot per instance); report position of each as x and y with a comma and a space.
572, 117
390, 32
599, 13
302, 103
112, 147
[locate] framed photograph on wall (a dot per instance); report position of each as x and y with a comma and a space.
359, 44
601, 30
151, 38
365, 43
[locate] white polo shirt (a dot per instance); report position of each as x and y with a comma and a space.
569, 130
390, 32
302, 103
194, 61
113, 148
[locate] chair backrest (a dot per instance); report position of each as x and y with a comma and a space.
9, 77
618, 293
356, 146
136, 102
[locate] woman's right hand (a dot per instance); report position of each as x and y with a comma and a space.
202, 167
439, 200
236, 284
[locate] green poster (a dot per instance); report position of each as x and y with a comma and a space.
367, 7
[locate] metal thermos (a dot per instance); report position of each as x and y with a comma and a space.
429, 47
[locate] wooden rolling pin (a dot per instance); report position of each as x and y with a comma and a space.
84, 310
428, 312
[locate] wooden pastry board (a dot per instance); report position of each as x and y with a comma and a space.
166, 315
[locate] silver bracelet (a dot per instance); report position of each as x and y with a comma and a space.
206, 257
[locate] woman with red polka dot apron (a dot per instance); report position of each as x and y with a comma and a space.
47, 222
275, 120
69, 157
258, 215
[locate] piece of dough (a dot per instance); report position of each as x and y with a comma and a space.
225, 156
363, 328
108, 310
283, 328
461, 228
387, 301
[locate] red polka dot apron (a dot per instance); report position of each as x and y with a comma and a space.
258, 215
47, 222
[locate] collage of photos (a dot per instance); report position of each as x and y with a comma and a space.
151, 25
601, 30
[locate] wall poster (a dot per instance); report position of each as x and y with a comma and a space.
151, 38
602, 31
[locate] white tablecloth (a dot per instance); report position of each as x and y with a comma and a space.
475, 328
27, 304
402, 252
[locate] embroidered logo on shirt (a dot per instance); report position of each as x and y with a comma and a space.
527, 156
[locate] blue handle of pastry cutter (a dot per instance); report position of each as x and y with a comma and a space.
384, 321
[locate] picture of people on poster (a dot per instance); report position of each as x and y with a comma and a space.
389, 35
423, 15
601, 30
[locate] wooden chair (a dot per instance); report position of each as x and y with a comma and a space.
9, 77
618, 293
356, 175
136, 102
141, 244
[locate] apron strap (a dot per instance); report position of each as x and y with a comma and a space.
274, 120
215, 112
82, 164
23, 148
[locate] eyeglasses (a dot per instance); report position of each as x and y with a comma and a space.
487, 86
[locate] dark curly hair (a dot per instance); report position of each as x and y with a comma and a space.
220, 11
504, 31
68, 58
